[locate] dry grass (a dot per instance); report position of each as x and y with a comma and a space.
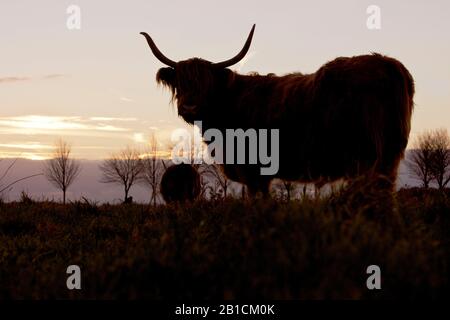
313, 249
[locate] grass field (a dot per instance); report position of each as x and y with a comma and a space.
308, 249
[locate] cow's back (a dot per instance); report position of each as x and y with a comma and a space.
359, 115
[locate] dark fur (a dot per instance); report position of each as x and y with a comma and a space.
180, 183
351, 117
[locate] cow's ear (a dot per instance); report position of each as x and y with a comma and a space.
166, 76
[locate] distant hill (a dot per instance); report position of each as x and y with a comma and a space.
87, 185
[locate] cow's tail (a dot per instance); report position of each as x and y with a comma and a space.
407, 101
403, 90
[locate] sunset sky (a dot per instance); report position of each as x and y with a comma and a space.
95, 87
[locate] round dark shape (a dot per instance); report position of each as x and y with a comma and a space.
180, 183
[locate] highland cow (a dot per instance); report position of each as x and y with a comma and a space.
180, 183
350, 118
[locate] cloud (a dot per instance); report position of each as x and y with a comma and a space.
31, 136
26, 146
110, 128
163, 154
13, 79
28, 150
40, 146
42, 122
36, 124
120, 95
25, 155
138, 137
111, 119
125, 99
54, 75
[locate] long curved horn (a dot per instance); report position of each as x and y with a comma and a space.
240, 55
158, 54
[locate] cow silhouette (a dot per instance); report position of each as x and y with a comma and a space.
350, 118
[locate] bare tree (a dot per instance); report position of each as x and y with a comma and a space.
206, 189
284, 190
243, 192
153, 169
220, 179
420, 161
440, 168
123, 168
289, 187
430, 159
61, 171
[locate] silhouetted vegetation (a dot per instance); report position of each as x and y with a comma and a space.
219, 184
430, 158
311, 248
61, 170
6, 186
124, 168
153, 168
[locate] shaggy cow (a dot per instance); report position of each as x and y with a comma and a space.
351, 117
180, 183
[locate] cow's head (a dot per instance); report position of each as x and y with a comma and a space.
195, 83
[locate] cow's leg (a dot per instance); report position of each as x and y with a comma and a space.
385, 175
265, 189
386, 185
372, 193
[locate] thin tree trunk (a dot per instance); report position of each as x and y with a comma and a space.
154, 197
